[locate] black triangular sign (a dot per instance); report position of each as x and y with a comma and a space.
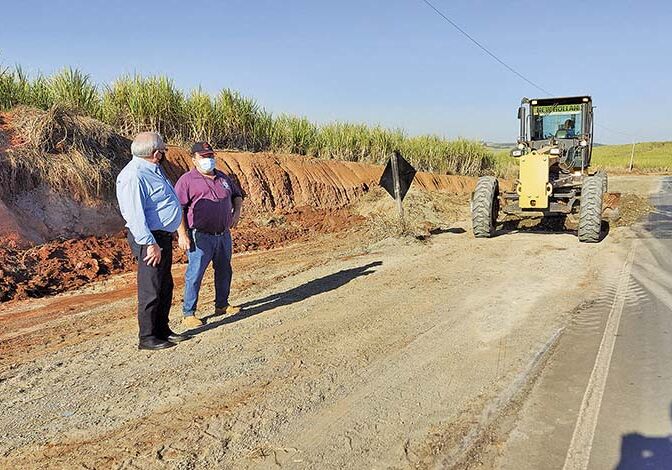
406, 175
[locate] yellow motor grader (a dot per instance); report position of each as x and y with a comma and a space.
554, 151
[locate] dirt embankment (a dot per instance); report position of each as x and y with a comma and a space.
53, 240
273, 182
57, 176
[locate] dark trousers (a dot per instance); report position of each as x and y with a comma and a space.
155, 287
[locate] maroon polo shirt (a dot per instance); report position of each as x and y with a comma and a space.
208, 201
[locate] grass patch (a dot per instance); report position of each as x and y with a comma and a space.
72, 154
654, 157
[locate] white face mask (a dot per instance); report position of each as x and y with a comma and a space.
206, 164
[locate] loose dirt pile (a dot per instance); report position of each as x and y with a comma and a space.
632, 208
62, 265
425, 213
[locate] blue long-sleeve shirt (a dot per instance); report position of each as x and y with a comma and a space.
147, 200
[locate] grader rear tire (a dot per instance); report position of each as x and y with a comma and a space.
590, 210
485, 207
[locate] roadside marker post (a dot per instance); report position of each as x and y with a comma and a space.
396, 179
632, 157
397, 186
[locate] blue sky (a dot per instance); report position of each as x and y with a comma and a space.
394, 63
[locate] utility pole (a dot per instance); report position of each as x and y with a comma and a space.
632, 157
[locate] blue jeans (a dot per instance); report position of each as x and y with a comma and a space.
206, 248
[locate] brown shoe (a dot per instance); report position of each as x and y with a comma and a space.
191, 321
228, 310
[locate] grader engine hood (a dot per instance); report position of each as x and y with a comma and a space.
533, 186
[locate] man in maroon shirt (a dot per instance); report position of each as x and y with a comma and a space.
212, 204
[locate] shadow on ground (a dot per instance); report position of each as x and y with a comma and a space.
639, 451
297, 294
659, 222
544, 225
440, 230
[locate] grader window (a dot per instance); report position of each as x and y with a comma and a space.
558, 121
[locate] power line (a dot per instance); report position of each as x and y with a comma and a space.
507, 66
485, 49
614, 131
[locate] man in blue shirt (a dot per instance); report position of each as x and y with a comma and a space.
569, 125
152, 213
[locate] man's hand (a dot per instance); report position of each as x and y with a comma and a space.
235, 219
184, 241
153, 257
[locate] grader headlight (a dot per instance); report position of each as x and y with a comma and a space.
555, 151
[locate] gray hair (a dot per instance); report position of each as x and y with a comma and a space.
146, 143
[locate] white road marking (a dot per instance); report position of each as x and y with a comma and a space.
578, 454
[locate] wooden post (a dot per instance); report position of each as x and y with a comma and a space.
397, 186
632, 157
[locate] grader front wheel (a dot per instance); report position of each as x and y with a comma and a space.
485, 207
605, 181
590, 210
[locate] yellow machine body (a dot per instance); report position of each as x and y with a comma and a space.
533, 186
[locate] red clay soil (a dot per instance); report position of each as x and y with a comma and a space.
62, 265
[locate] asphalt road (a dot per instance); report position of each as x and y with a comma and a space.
604, 401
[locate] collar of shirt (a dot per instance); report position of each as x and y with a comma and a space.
153, 167
144, 163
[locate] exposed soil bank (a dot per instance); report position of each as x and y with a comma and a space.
273, 182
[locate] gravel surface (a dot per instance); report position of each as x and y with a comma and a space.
349, 353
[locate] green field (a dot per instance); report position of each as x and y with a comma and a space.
650, 157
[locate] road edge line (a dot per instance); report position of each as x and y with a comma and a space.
578, 453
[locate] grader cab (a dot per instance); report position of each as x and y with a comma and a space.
553, 151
